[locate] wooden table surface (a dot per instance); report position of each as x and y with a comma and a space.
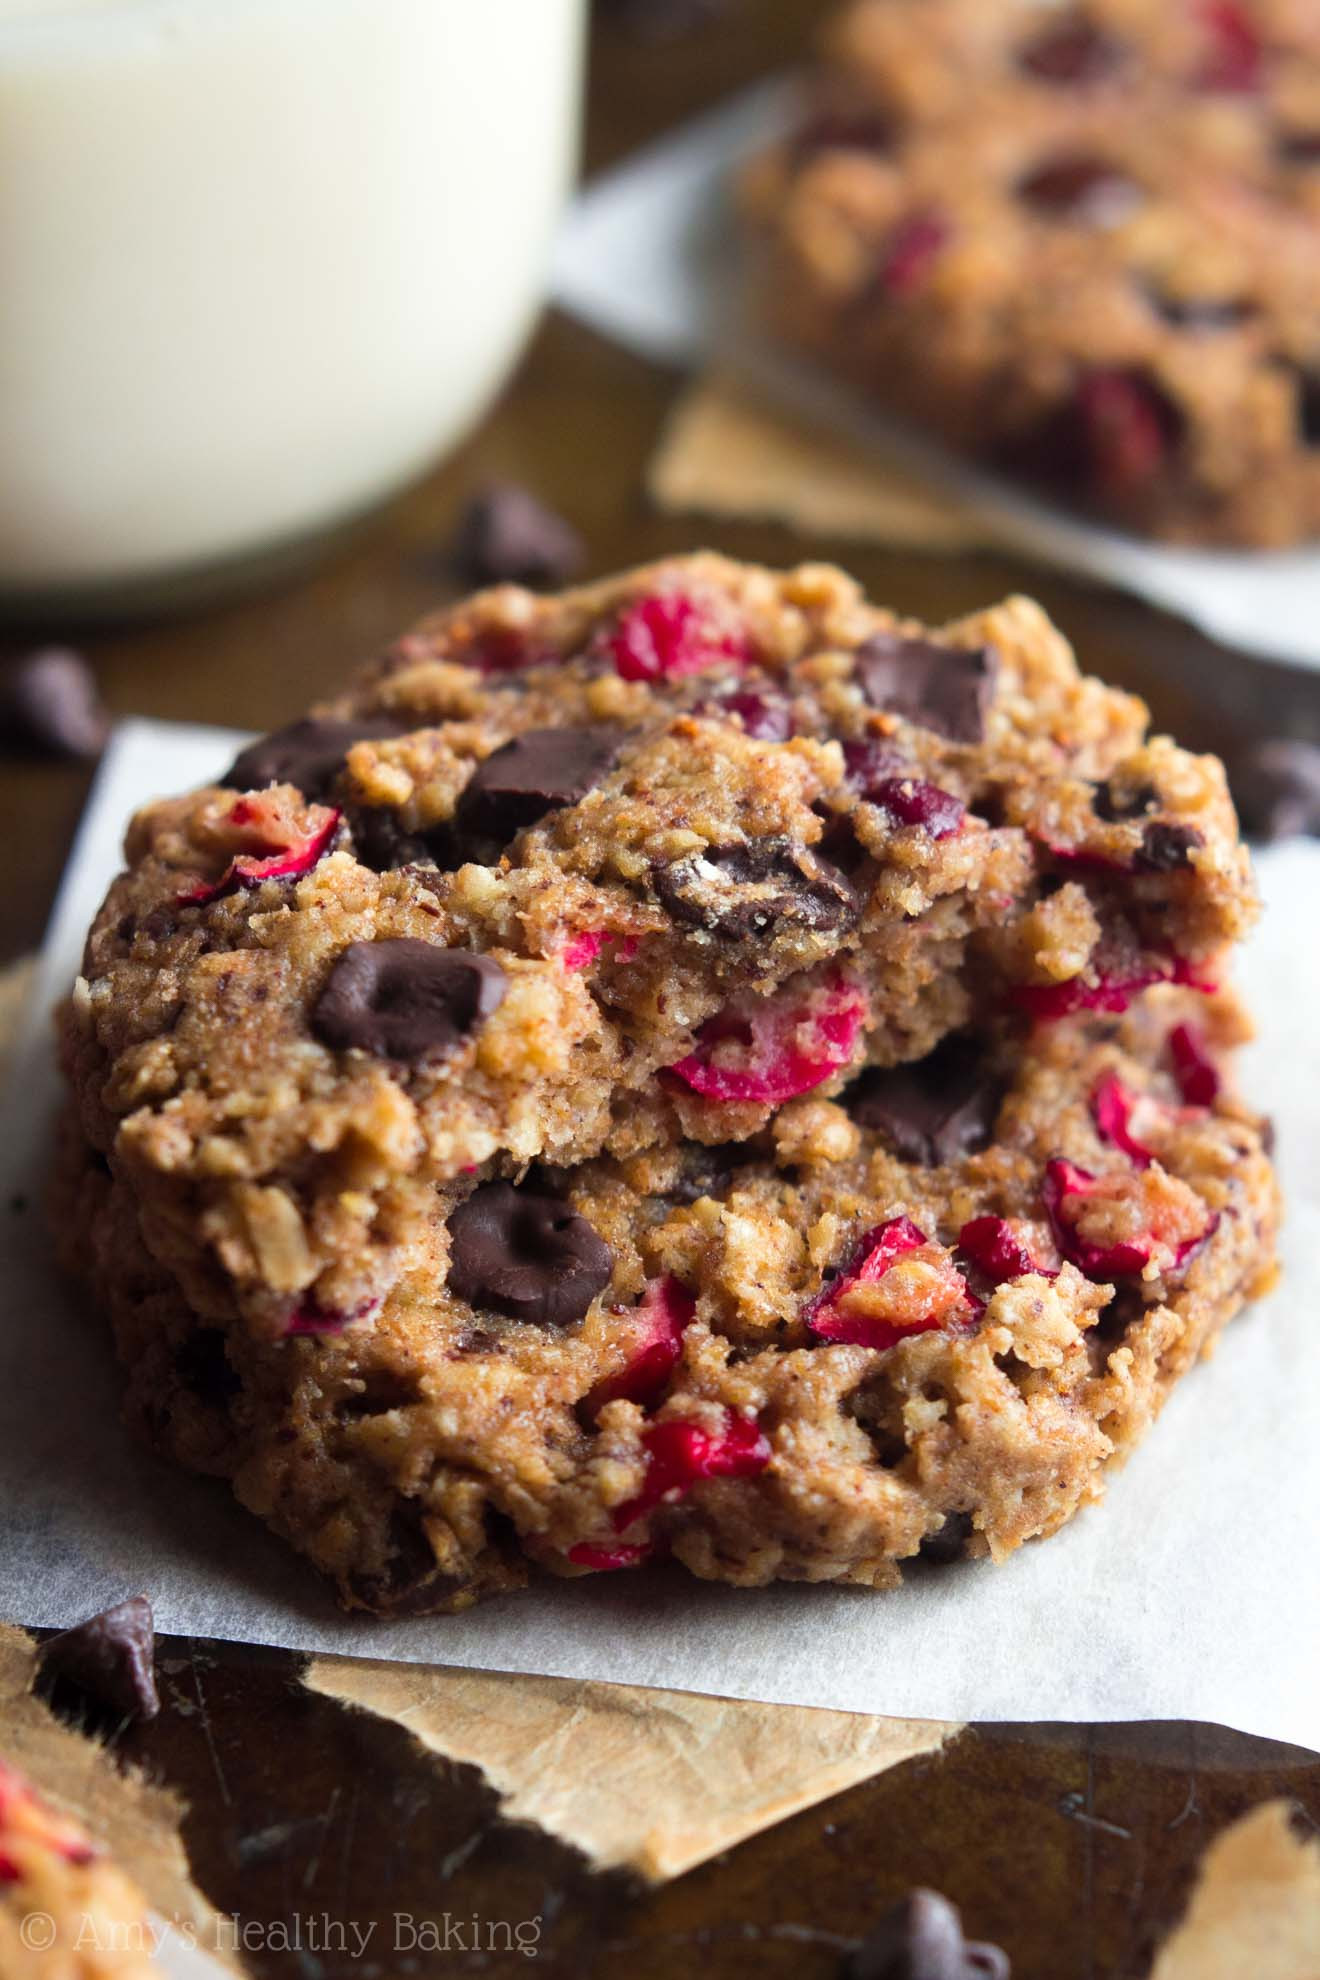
1074, 1846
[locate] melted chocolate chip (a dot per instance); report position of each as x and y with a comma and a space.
406, 999
108, 1658
769, 887
950, 1543
1073, 50
1116, 809
309, 754
1165, 847
535, 773
527, 1254
1276, 787
945, 688
933, 1111
1082, 189
49, 704
505, 536
922, 1939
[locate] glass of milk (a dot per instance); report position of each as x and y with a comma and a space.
261, 262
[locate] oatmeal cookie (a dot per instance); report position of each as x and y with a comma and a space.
1080, 241
644, 864
66, 1912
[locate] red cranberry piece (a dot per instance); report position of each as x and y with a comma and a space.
664, 1310
667, 635
607, 1560
770, 1050
1072, 50
993, 1248
836, 128
763, 718
580, 951
1048, 1001
310, 1317
1234, 52
679, 1454
868, 761
249, 870
1193, 1068
1112, 1108
1128, 429
1082, 190
908, 801
912, 252
828, 1317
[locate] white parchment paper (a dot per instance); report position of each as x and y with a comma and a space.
1190, 1594
649, 255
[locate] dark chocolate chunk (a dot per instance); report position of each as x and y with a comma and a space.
411, 1582
527, 1254
1166, 846
308, 754
535, 773
950, 1543
922, 1939
1300, 148
709, 1170
406, 999
1276, 786
945, 688
505, 536
1116, 809
1308, 407
380, 841
1071, 50
49, 704
204, 1368
772, 886
1202, 312
108, 1657
933, 1110
1082, 189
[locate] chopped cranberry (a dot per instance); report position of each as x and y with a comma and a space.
827, 1315
681, 1453
1048, 1001
664, 1310
607, 1560
667, 635
1193, 1068
1234, 52
310, 1317
912, 252
836, 128
1064, 1180
246, 870
764, 718
580, 951
1128, 428
769, 1050
1072, 50
1112, 1108
868, 761
908, 801
993, 1248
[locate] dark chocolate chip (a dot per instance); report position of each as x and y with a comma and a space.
308, 754
1116, 809
1300, 148
1165, 847
1073, 50
770, 887
945, 688
1202, 312
49, 704
950, 1543
527, 1254
1308, 407
1083, 189
411, 1582
380, 841
204, 1368
406, 999
709, 1171
535, 773
922, 1939
1276, 786
934, 1110
109, 1658
505, 536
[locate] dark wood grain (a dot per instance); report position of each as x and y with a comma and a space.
1073, 1846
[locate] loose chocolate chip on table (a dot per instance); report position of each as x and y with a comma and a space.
933, 1110
1276, 787
505, 536
535, 773
744, 892
1165, 847
945, 688
1083, 189
527, 1254
109, 1658
308, 754
922, 1939
406, 999
49, 703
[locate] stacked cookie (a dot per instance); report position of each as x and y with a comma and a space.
1082, 241
693, 1066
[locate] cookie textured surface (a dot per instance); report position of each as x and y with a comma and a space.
66, 1911
1082, 242
695, 1064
